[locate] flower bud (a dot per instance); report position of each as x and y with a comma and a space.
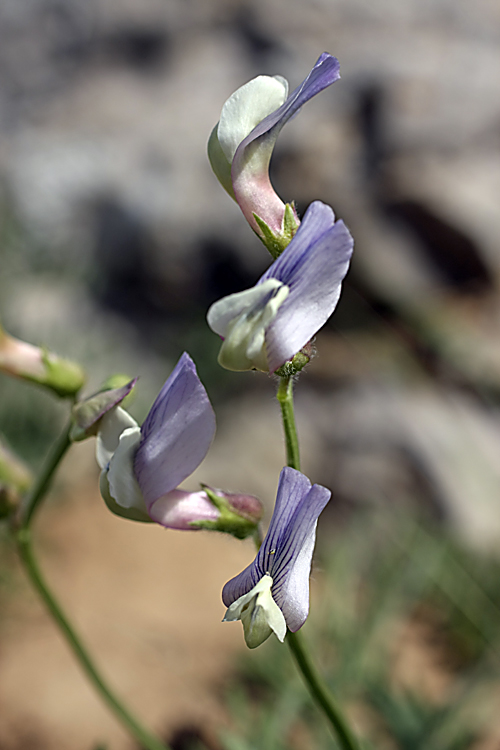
40, 366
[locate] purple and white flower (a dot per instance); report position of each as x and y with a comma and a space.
272, 593
264, 327
241, 144
143, 466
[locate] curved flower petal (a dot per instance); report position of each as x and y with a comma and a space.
259, 614
242, 319
313, 267
176, 434
180, 510
246, 108
250, 166
123, 486
111, 427
293, 568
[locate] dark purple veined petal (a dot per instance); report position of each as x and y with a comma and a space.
176, 434
313, 267
292, 569
286, 551
250, 167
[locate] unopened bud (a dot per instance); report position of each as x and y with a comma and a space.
40, 366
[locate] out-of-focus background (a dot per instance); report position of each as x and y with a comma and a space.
115, 237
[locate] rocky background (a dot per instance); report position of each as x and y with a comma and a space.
115, 238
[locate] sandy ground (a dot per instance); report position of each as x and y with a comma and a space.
147, 602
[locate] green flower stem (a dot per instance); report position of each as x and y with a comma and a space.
319, 691
285, 398
24, 541
44, 480
146, 740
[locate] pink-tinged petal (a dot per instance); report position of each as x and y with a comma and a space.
176, 434
180, 510
313, 267
250, 167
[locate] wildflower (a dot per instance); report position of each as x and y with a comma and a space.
241, 144
143, 466
272, 593
264, 327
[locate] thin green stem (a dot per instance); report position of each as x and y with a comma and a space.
147, 740
44, 480
319, 691
285, 398
22, 533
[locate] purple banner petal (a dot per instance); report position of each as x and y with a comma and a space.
176, 434
313, 267
326, 71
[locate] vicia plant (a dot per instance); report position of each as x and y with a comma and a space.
268, 328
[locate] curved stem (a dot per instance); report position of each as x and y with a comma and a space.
45, 478
319, 691
142, 735
24, 541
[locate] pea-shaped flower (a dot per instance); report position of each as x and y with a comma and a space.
264, 327
272, 593
143, 466
242, 142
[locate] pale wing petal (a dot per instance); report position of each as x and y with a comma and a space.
123, 485
111, 427
246, 108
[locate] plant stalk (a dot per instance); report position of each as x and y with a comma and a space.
316, 685
22, 534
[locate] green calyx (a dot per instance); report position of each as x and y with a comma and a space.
276, 243
229, 521
295, 365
